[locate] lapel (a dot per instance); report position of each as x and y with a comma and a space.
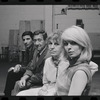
35, 57
42, 56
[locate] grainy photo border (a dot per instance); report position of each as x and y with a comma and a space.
50, 2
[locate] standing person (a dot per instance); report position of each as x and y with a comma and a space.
15, 73
34, 73
76, 80
53, 66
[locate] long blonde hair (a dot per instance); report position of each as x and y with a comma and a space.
79, 35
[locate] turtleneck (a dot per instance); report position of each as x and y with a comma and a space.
75, 61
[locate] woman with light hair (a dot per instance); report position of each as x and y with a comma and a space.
54, 65
76, 80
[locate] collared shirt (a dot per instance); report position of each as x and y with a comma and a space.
51, 72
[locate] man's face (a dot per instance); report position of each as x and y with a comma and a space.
27, 40
39, 41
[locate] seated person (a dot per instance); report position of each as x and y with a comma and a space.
15, 73
76, 80
33, 75
53, 67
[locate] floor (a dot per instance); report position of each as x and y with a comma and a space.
4, 66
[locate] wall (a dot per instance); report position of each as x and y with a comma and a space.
91, 21
10, 15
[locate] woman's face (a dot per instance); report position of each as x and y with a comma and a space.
55, 47
72, 48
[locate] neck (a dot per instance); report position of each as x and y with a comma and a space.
72, 61
55, 57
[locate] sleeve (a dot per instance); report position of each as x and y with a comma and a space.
36, 78
29, 68
28, 56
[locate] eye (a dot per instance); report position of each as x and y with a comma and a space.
50, 43
28, 38
65, 43
56, 43
23, 39
39, 40
73, 43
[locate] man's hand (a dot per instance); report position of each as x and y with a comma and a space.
10, 69
17, 68
22, 83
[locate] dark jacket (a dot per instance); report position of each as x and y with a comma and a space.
35, 68
28, 55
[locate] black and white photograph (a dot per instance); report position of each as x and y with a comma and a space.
49, 50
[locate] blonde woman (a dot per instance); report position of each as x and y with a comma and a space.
76, 80
54, 65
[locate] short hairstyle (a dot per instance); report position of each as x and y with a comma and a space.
44, 34
27, 33
79, 35
55, 36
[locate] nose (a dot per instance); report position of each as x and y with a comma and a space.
69, 46
52, 46
36, 42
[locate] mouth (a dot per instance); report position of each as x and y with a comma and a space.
53, 52
38, 47
26, 44
70, 52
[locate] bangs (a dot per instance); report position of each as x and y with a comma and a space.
55, 38
73, 35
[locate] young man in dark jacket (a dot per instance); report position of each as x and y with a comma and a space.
33, 75
15, 73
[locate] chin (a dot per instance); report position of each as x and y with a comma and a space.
39, 49
52, 55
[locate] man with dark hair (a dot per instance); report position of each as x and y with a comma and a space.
15, 73
34, 73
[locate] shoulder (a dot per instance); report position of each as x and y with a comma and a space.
48, 60
83, 70
48, 64
84, 67
80, 73
64, 64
